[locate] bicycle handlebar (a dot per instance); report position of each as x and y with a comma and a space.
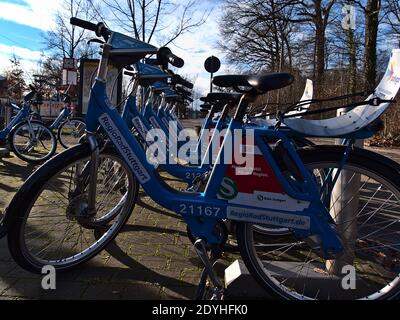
179, 80
166, 56
100, 29
31, 94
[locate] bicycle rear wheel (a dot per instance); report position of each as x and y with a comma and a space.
70, 132
48, 223
33, 142
290, 268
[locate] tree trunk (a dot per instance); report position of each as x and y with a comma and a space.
352, 62
371, 36
320, 58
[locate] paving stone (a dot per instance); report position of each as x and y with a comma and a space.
6, 267
179, 293
66, 290
5, 284
103, 291
20, 273
142, 292
27, 288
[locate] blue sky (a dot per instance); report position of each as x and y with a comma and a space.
23, 22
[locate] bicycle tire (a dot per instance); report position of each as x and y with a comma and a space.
367, 160
20, 155
60, 128
22, 203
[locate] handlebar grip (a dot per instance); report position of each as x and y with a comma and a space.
129, 73
175, 61
166, 56
83, 24
183, 82
183, 91
29, 96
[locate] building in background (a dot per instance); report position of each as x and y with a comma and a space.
3, 86
3, 99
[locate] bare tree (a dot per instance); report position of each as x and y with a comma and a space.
317, 14
16, 84
69, 41
144, 19
392, 14
346, 48
256, 34
372, 11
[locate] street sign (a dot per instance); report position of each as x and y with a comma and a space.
70, 78
70, 64
212, 64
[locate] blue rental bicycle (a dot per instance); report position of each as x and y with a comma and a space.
30, 140
69, 128
347, 217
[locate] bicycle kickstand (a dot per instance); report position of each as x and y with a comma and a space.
218, 290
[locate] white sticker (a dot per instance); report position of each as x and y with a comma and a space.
269, 218
154, 122
119, 141
139, 126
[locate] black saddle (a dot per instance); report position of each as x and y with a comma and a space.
262, 83
222, 98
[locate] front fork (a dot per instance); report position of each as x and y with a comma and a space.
94, 167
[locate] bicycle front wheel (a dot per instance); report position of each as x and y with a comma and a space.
70, 132
365, 206
48, 220
33, 142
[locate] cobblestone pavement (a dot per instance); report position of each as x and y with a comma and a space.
151, 259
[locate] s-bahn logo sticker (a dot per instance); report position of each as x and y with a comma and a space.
277, 219
228, 189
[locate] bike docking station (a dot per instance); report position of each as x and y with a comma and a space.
287, 209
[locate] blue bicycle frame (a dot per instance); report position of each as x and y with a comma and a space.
64, 114
202, 211
132, 116
22, 115
301, 209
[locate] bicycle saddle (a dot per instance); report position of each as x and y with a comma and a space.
262, 83
222, 98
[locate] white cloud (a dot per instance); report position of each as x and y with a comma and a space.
29, 59
39, 14
196, 47
23, 53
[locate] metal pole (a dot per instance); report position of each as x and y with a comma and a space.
345, 202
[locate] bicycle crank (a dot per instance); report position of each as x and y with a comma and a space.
217, 292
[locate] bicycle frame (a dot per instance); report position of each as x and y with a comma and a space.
206, 205
22, 115
133, 117
64, 114
296, 205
